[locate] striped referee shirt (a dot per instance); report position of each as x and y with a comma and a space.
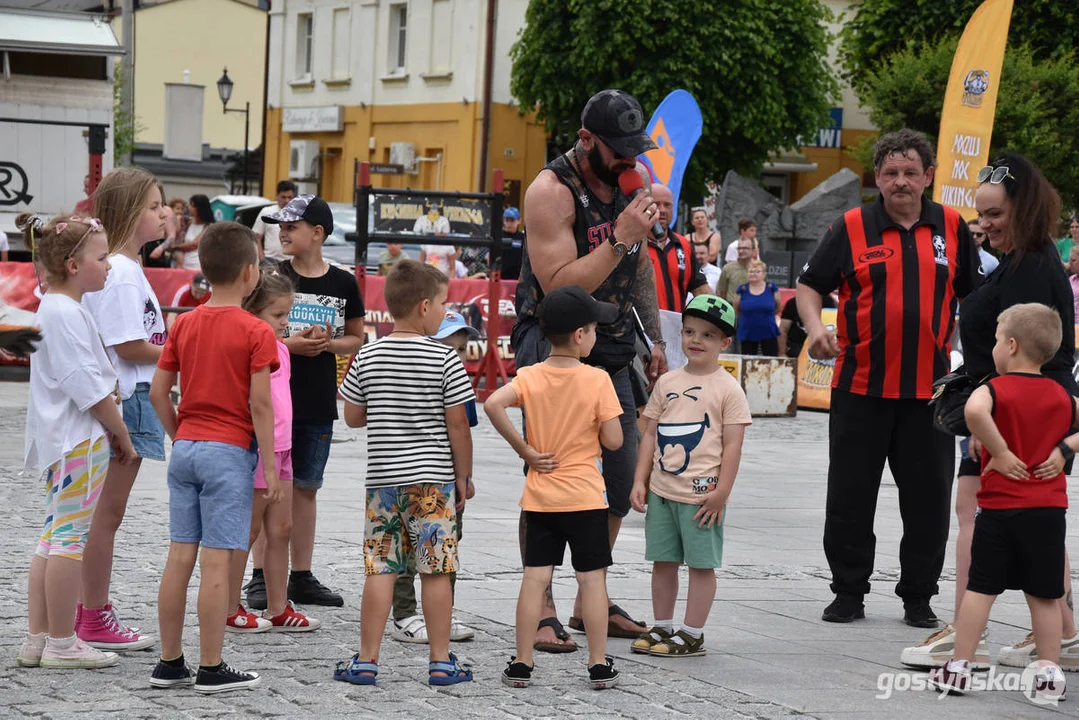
898, 293
406, 384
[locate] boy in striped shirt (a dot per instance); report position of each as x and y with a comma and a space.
410, 392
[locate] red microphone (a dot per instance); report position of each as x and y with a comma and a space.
631, 184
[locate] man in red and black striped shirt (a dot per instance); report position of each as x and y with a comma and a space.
900, 265
677, 270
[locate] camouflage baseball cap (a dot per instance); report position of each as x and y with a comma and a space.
715, 310
308, 208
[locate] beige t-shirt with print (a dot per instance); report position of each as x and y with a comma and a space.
691, 411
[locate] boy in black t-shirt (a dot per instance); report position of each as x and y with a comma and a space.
326, 320
792, 332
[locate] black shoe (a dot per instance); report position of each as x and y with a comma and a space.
169, 676
918, 614
307, 590
517, 674
256, 592
223, 679
603, 676
844, 609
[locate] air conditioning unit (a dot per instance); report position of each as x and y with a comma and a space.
404, 153
303, 159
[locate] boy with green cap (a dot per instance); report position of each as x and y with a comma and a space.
686, 465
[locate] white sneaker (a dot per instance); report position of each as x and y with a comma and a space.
460, 632
412, 630
80, 655
939, 648
1025, 652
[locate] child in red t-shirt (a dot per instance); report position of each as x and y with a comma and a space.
1020, 417
225, 356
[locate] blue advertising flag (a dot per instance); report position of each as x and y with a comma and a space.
675, 128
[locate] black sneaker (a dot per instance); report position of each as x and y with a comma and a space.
844, 609
603, 676
307, 590
918, 614
170, 676
256, 592
517, 674
223, 679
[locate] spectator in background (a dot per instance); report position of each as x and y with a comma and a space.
443, 257
757, 302
474, 261
393, 254
270, 234
196, 293
155, 253
85, 206
513, 243
746, 229
202, 217
1066, 243
703, 235
1073, 275
792, 333
711, 272
989, 260
735, 274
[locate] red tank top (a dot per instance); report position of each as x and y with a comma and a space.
1033, 414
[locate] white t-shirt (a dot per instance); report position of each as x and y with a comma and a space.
406, 384
271, 234
4, 246
69, 374
711, 274
127, 310
732, 252
424, 226
191, 257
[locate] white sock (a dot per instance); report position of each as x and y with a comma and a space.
958, 666
62, 643
667, 625
693, 632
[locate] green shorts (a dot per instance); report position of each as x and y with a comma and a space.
671, 535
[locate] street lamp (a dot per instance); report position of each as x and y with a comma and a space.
224, 90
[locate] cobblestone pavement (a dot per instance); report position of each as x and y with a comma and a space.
770, 656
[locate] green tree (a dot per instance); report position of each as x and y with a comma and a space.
1037, 105
756, 67
877, 27
125, 126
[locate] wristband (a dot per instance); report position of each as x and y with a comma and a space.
1066, 451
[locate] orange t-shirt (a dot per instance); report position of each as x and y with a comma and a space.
564, 408
216, 350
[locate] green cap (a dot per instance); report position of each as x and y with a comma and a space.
715, 310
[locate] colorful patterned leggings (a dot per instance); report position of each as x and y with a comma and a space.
73, 486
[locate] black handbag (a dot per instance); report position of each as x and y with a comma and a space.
949, 401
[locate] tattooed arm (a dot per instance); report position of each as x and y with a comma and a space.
647, 306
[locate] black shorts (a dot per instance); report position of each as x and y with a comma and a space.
546, 535
1018, 550
972, 467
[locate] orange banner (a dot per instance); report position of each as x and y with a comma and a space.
815, 376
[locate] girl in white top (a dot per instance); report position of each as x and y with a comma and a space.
202, 217
72, 404
129, 204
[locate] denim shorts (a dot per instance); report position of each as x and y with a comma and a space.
310, 451
147, 433
211, 485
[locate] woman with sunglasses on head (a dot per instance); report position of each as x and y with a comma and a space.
1018, 210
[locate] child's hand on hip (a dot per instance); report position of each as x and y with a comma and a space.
540, 462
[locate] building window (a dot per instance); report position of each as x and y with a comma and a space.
441, 36
341, 23
304, 30
398, 37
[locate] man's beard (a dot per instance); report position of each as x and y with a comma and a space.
603, 173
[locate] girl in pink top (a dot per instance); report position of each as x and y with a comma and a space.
271, 302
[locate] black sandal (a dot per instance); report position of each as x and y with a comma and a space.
560, 633
616, 631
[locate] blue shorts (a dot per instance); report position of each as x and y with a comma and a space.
147, 433
310, 451
211, 485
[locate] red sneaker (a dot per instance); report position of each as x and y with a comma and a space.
292, 620
245, 621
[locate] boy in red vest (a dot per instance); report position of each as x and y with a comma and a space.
1019, 417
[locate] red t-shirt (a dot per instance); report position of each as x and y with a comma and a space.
216, 350
187, 299
1033, 414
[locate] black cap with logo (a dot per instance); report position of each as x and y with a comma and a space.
616, 118
568, 308
310, 209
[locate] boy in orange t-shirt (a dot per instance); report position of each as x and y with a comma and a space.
572, 409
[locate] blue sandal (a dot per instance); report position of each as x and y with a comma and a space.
356, 671
456, 672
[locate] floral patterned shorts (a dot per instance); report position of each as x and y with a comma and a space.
411, 520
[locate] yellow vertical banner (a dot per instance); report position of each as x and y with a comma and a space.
966, 122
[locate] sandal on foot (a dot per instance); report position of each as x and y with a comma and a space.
356, 671
560, 633
456, 672
646, 640
576, 623
679, 644
615, 631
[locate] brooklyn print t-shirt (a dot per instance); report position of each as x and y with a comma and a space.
333, 298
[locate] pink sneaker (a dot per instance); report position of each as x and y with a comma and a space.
32, 647
79, 655
245, 621
100, 628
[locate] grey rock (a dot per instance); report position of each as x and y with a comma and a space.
815, 212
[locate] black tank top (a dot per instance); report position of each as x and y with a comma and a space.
593, 224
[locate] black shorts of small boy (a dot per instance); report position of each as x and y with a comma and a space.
585, 531
1018, 549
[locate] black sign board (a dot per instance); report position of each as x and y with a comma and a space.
399, 214
387, 169
779, 267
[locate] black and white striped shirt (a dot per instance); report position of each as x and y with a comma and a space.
406, 384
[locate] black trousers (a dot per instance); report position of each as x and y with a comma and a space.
863, 433
769, 347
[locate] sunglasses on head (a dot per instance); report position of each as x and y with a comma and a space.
995, 175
